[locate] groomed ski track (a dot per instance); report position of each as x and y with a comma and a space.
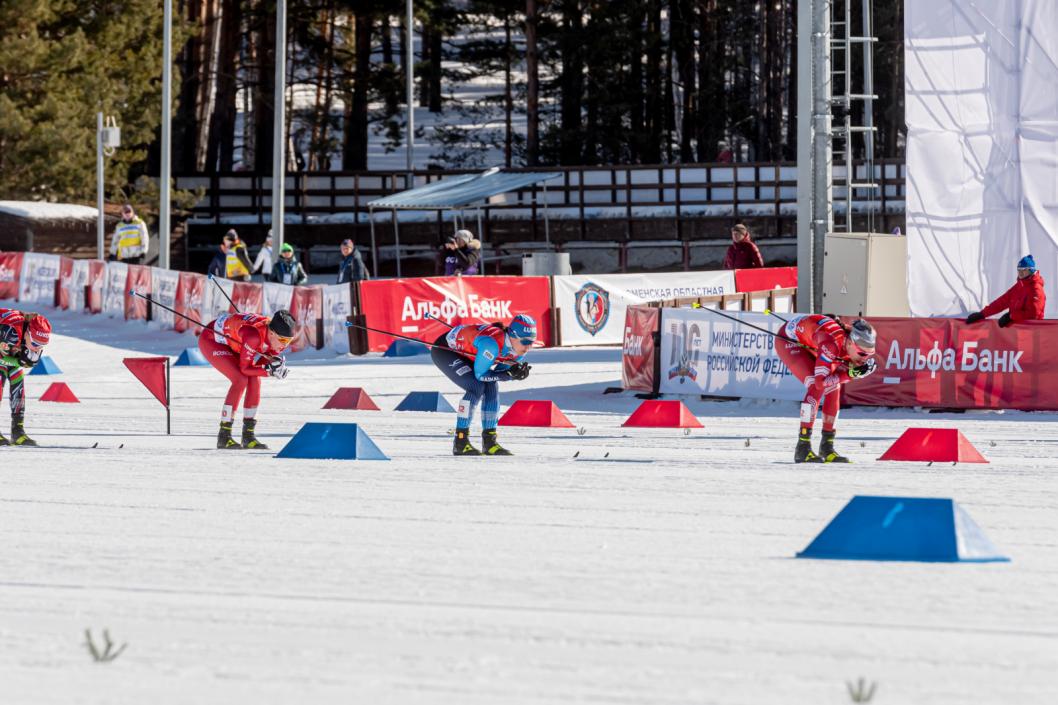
240, 578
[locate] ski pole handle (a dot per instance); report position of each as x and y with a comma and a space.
428, 316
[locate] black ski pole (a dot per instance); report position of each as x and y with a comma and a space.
431, 317
349, 324
747, 323
199, 323
214, 280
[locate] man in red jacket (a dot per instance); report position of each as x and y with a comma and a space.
742, 253
1024, 301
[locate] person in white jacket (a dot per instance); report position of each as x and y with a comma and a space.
130, 241
263, 263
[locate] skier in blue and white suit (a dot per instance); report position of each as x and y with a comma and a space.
477, 358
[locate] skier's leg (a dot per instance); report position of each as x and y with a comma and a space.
224, 360
16, 377
461, 371
249, 414
4, 371
490, 411
801, 363
831, 407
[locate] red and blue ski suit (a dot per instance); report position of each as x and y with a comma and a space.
476, 358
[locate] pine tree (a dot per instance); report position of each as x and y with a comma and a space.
61, 62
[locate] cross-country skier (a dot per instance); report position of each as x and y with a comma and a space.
824, 354
245, 347
23, 336
477, 358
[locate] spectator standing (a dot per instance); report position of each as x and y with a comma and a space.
130, 241
742, 253
238, 265
352, 268
263, 263
1024, 301
724, 155
219, 262
288, 270
462, 253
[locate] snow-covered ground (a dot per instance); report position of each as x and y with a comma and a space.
661, 574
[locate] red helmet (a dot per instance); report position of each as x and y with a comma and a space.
39, 333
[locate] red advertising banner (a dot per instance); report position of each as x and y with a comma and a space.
765, 279
638, 350
10, 271
189, 300
942, 362
62, 294
306, 306
97, 275
248, 297
139, 280
401, 305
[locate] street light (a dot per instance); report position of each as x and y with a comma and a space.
108, 138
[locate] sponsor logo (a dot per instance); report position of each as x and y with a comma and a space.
447, 310
633, 344
592, 304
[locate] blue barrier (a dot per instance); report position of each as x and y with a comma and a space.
46, 366
191, 357
332, 441
903, 529
424, 401
405, 348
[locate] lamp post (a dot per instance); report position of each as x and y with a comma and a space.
165, 197
279, 162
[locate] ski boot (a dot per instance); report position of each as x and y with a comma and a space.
827, 452
18, 433
224, 439
489, 446
249, 440
803, 453
4, 441
461, 444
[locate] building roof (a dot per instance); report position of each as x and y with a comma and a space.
41, 210
462, 191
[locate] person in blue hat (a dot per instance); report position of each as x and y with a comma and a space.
1024, 301
476, 358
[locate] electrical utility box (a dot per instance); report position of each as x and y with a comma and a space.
865, 274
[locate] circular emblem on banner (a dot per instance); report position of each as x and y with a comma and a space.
593, 307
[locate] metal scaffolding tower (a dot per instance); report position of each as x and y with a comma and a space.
825, 100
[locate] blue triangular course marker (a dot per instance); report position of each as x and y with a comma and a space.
903, 529
405, 348
424, 401
191, 357
46, 366
332, 441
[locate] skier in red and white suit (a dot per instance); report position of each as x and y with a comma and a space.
245, 347
824, 354
23, 336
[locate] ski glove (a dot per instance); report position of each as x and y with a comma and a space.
865, 369
975, 317
519, 370
277, 368
1005, 320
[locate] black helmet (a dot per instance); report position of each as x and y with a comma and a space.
862, 334
283, 324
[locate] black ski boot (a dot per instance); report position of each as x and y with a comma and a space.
827, 452
489, 446
249, 440
461, 444
803, 453
4, 441
18, 433
224, 439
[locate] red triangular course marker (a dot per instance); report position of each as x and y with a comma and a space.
351, 398
525, 412
663, 413
59, 391
151, 372
936, 445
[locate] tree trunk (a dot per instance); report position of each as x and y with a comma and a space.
683, 48
354, 154
571, 81
264, 90
532, 85
221, 151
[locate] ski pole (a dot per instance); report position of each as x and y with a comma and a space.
214, 280
772, 313
747, 323
349, 324
431, 317
200, 325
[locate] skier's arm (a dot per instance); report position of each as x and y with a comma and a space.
250, 361
488, 351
